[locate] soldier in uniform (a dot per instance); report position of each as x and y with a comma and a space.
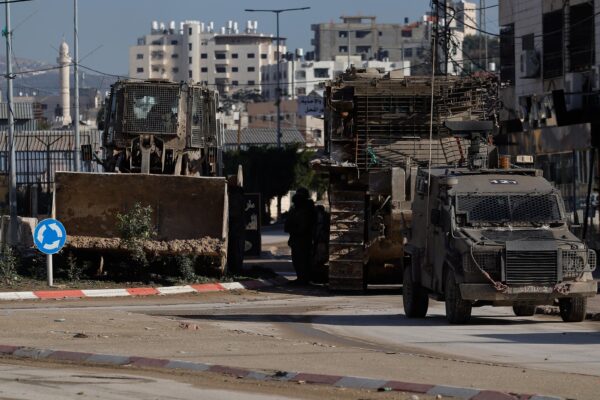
300, 225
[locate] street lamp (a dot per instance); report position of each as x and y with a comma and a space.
278, 55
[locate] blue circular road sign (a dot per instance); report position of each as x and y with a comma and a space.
49, 236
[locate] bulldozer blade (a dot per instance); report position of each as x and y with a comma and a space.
189, 213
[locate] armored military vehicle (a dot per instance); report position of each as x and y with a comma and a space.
495, 237
160, 142
379, 128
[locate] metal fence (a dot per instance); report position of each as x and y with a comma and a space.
39, 154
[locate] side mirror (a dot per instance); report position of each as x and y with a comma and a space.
435, 217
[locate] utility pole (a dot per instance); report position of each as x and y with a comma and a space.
12, 188
77, 153
278, 56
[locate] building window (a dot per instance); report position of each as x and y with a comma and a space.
420, 52
581, 36
190, 60
250, 55
363, 49
204, 69
300, 91
321, 72
507, 53
408, 52
234, 55
343, 34
140, 56
234, 83
552, 63
251, 69
220, 56
343, 49
174, 42
175, 70
264, 56
154, 68
527, 42
190, 31
174, 55
190, 74
221, 70
300, 74
362, 34
406, 33
204, 56
251, 83
234, 69
140, 70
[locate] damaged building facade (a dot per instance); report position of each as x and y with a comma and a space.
551, 84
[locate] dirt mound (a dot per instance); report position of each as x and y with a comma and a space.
206, 246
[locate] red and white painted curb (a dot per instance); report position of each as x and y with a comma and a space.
282, 376
147, 291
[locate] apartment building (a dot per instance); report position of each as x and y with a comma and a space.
302, 77
226, 59
549, 67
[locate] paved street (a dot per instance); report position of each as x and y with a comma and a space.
340, 335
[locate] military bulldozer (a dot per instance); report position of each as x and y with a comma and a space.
379, 128
160, 149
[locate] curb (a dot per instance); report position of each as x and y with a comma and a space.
147, 291
351, 382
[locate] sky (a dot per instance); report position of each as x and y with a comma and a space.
108, 27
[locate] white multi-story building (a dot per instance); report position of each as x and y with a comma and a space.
226, 58
300, 77
466, 17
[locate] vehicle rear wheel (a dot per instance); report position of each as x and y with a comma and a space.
573, 309
414, 296
524, 310
458, 311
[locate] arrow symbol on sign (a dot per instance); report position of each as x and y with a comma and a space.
51, 246
56, 229
40, 235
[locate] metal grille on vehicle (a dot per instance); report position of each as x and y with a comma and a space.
531, 267
151, 109
509, 208
489, 261
197, 118
576, 262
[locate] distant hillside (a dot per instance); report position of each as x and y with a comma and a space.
47, 82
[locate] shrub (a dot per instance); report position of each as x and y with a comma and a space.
8, 265
135, 227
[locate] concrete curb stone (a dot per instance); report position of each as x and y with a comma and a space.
149, 291
282, 376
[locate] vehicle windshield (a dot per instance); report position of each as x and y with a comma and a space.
518, 209
151, 109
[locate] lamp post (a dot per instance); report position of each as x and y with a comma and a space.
278, 56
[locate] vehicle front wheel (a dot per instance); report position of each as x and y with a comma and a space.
458, 311
524, 310
573, 309
414, 296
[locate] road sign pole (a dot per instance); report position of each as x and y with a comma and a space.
49, 270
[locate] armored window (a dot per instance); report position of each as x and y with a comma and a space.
151, 109
509, 208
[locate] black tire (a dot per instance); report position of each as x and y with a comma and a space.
524, 310
573, 309
414, 296
458, 311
